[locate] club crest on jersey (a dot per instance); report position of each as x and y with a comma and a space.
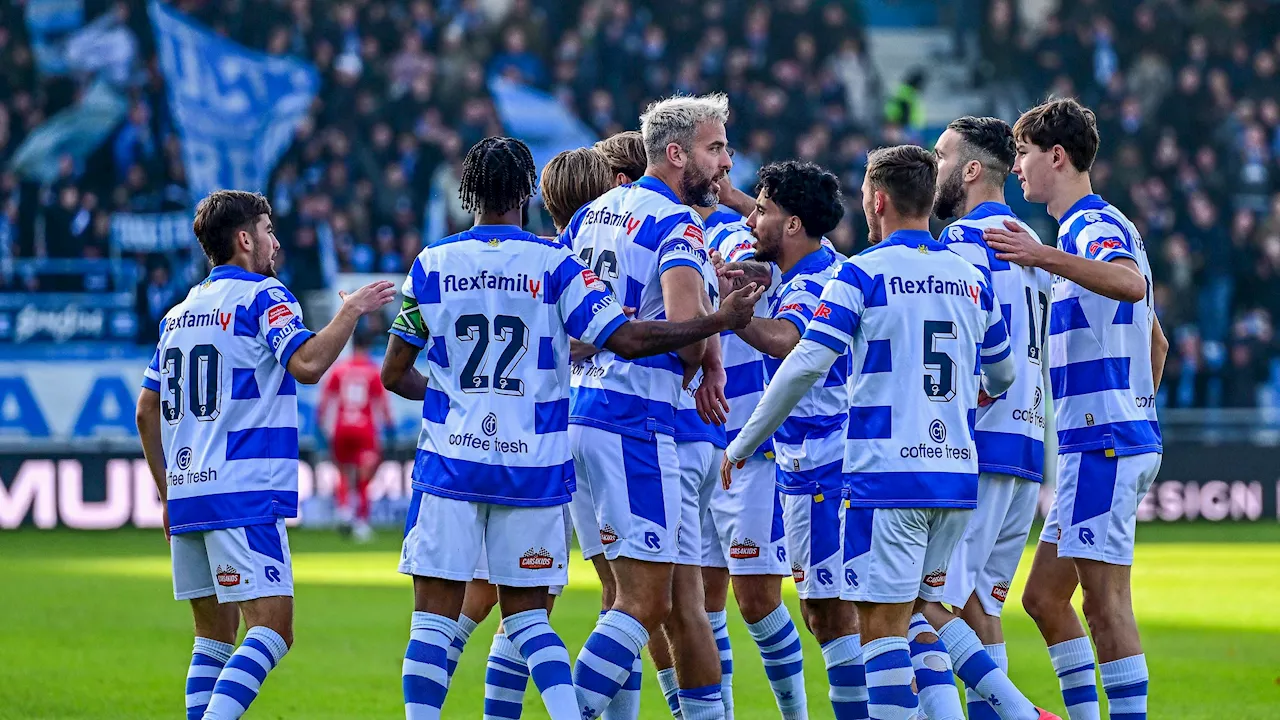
608, 535
538, 559
592, 281
937, 578
228, 576
744, 550
1000, 591
279, 315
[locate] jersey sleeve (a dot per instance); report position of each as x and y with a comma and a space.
737, 246
1102, 238
840, 308
279, 318
151, 376
680, 246
408, 324
967, 243
587, 310
995, 343
797, 301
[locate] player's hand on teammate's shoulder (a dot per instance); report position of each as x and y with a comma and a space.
370, 297
1014, 244
739, 306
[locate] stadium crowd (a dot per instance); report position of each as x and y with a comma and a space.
1187, 95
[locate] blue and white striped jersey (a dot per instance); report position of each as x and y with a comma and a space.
813, 433
743, 364
494, 307
630, 236
1100, 356
689, 427
229, 406
920, 321
1010, 431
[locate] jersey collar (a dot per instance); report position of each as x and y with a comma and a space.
649, 182
817, 260
988, 209
911, 238
1088, 202
495, 231
232, 272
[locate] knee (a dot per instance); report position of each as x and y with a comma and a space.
755, 608
1099, 612
651, 610
1039, 604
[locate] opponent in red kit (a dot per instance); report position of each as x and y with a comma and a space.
353, 407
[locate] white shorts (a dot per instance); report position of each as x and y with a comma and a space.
582, 512
699, 476
482, 565
1094, 515
987, 556
635, 488
813, 532
525, 546
898, 555
743, 527
236, 564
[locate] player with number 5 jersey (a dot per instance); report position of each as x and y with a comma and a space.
218, 420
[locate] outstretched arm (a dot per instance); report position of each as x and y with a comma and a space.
312, 359
636, 339
1118, 279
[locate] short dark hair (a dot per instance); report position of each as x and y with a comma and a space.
805, 190
1065, 122
221, 215
572, 179
625, 153
907, 174
498, 175
990, 142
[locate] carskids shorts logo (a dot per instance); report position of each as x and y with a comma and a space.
538, 559
608, 535
744, 550
937, 578
228, 576
797, 572
1000, 591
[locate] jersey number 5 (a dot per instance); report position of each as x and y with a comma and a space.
202, 369
475, 328
940, 369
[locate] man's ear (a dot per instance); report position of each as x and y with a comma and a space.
972, 171
675, 155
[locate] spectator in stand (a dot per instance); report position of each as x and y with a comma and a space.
155, 295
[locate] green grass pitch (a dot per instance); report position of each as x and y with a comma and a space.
89, 629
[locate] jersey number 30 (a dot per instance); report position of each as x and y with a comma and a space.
202, 369
475, 328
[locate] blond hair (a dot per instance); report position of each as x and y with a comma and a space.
676, 120
572, 179
625, 153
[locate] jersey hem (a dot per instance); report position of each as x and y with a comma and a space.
490, 499
625, 430
944, 504
1104, 445
1011, 470
224, 524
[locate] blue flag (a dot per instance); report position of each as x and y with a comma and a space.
236, 109
538, 119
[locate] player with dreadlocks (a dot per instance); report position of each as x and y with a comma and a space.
493, 470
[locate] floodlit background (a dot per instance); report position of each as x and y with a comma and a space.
353, 117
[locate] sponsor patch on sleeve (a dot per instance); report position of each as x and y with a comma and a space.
279, 315
693, 232
591, 281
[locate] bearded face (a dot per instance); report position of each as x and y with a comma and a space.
949, 198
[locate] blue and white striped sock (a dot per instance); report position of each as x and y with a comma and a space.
667, 681
720, 626
626, 704
207, 660
1073, 662
931, 664
466, 626
982, 675
1125, 682
702, 703
425, 675
241, 680
548, 661
783, 661
847, 677
505, 677
888, 661
606, 660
